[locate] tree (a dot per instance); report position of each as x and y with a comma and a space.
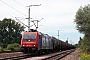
10, 31
82, 20
66, 41
80, 41
85, 44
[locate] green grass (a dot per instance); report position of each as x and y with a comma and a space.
85, 56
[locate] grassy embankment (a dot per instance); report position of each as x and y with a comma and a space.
84, 56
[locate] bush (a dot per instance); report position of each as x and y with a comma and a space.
10, 47
85, 44
13, 47
16, 46
1, 47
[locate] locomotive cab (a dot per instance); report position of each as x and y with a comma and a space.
29, 41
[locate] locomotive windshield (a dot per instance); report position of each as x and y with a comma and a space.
29, 37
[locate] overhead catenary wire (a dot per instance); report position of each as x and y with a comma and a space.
19, 3
22, 22
25, 6
22, 5
12, 7
16, 9
33, 12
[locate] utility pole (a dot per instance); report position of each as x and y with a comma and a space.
29, 19
29, 15
58, 34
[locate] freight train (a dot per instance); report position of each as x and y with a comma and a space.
37, 42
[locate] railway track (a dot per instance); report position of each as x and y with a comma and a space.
13, 56
20, 55
59, 56
52, 56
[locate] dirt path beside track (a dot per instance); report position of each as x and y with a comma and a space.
73, 56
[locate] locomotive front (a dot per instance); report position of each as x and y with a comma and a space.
29, 42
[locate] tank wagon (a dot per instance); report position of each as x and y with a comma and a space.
36, 42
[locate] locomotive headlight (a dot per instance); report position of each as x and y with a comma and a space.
33, 45
23, 45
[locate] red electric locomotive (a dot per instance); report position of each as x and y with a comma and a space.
36, 42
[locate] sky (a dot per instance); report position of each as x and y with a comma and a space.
58, 15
